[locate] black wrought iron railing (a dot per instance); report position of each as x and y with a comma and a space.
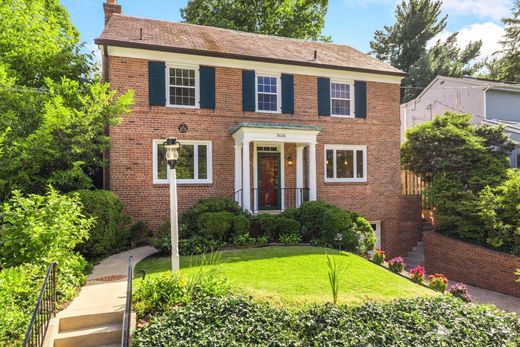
125, 339
44, 310
237, 196
277, 199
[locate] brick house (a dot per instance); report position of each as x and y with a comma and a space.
265, 120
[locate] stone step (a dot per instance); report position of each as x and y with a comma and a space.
90, 337
414, 258
77, 322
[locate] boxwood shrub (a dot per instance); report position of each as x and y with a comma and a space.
233, 321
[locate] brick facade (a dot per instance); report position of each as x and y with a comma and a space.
471, 264
378, 199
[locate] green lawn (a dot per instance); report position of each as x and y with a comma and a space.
295, 276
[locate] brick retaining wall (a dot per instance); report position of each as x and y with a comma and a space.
471, 264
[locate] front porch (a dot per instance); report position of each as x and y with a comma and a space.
275, 165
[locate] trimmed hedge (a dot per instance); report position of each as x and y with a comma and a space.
234, 321
111, 232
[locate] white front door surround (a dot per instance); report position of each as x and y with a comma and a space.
274, 134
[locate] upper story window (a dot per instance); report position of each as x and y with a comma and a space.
194, 165
267, 93
341, 99
183, 86
345, 163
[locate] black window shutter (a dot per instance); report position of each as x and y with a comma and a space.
323, 96
287, 93
248, 91
207, 87
157, 83
360, 97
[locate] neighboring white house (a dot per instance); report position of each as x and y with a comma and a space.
489, 102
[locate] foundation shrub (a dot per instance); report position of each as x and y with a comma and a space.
190, 218
267, 225
313, 217
241, 225
215, 225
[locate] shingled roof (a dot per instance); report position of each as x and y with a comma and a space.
134, 32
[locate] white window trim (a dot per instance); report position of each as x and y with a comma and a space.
208, 180
167, 84
345, 147
278, 77
352, 108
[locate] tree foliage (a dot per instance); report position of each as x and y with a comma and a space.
507, 66
463, 165
445, 58
53, 110
402, 44
38, 41
301, 19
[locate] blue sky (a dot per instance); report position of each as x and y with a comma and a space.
351, 22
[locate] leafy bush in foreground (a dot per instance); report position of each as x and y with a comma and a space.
233, 321
36, 230
111, 232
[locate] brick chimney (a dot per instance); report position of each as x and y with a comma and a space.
110, 7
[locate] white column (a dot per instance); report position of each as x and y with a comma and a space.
312, 171
299, 174
238, 173
246, 180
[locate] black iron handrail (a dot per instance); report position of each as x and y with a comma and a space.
288, 195
44, 310
237, 196
125, 339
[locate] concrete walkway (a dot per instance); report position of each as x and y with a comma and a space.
94, 317
105, 289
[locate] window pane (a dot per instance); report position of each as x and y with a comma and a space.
359, 161
341, 107
203, 162
267, 102
162, 166
182, 96
330, 163
340, 91
344, 164
186, 164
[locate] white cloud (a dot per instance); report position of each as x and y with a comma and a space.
494, 9
490, 34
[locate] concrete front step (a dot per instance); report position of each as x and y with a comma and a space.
77, 322
90, 337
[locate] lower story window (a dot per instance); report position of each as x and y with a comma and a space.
194, 165
345, 163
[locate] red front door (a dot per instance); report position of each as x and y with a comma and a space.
269, 181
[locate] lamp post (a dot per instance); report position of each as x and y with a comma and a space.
172, 156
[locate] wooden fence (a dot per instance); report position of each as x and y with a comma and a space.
411, 184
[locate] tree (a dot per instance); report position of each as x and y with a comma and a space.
38, 41
445, 58
507, 67
301, 19
402, 44
53, 109
459, 162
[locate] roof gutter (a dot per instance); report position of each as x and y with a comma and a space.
116, 43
